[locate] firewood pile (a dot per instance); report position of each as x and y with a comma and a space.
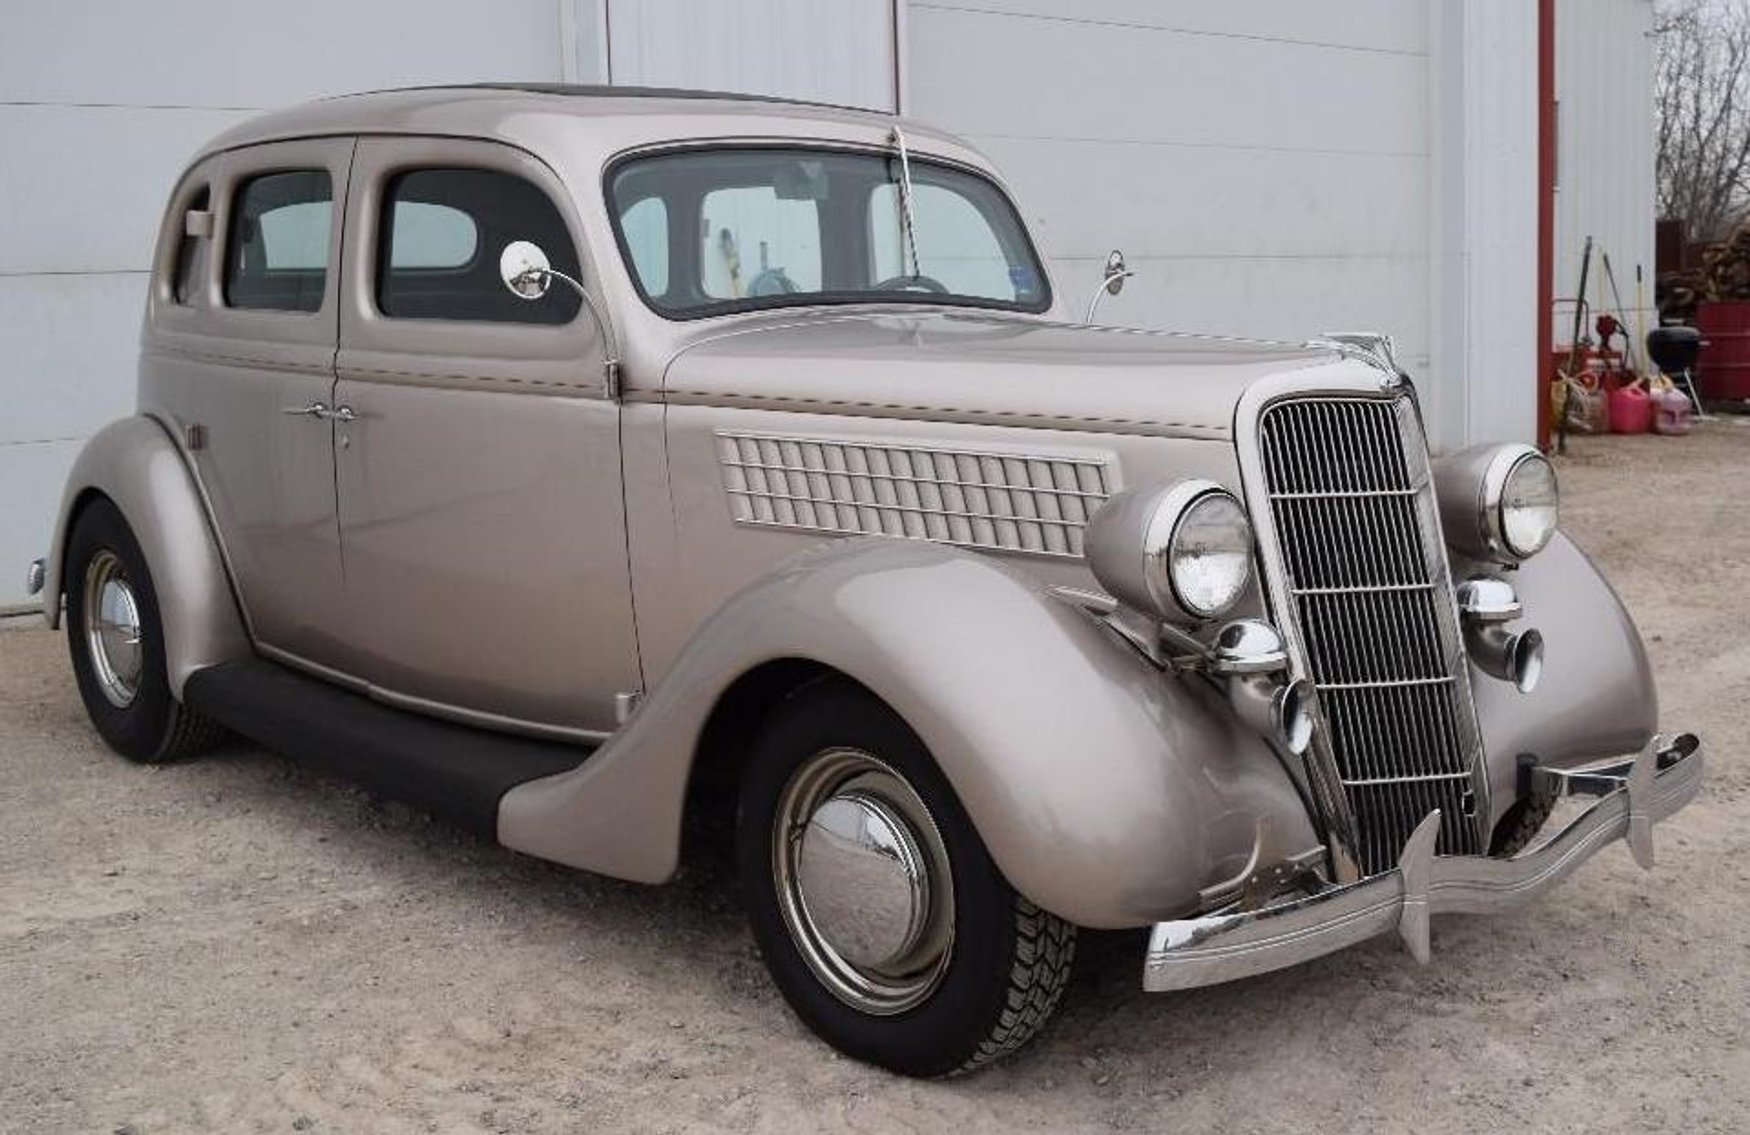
1722, 274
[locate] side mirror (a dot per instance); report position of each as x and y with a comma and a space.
525, 269
1111, 281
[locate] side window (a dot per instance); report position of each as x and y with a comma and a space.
441, 233
758, 244
432, 236
645, 226
191, 252
278, 242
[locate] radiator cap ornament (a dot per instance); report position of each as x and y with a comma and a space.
1369, 347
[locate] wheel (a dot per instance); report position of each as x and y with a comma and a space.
874, 902
1520, 825
116, 640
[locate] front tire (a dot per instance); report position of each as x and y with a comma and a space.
116, 640
874, 902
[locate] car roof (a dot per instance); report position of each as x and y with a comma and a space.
533, 115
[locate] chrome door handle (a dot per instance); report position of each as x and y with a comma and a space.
342, 414
313, 410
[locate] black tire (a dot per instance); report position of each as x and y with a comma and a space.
1009, 961
1520, 825
153, 727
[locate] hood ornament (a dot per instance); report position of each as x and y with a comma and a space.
1370, 347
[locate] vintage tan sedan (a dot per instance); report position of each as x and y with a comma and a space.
579, 463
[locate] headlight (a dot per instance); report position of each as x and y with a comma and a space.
1497, 502
1182, 551
1522, 514
1209, 557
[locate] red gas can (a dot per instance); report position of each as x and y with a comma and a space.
1631, 410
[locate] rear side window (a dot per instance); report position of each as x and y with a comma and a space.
279, 241
441, 234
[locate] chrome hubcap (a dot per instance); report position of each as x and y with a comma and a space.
863, 881
112, 629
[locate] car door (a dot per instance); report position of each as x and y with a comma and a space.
257, 365
482, 520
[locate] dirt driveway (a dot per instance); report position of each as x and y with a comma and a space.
237, 945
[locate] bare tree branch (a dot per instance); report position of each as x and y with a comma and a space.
1701, 101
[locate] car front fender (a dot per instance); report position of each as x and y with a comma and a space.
1107, 792
1595, 698
137, 466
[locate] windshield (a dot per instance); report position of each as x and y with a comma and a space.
712, 231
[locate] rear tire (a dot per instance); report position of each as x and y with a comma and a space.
115, 638
927, 980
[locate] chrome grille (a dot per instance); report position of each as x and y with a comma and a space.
1365, 598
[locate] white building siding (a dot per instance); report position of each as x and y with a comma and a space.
1273, 168
100, 106
1263, 166
1604, 148
836, 51
1483, 288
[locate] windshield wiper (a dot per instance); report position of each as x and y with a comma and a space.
907, 221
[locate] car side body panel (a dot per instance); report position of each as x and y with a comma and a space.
136, 465
1107, 792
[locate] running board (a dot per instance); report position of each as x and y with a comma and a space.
453, 771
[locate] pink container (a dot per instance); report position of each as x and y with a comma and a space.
1631, 410
1672, 413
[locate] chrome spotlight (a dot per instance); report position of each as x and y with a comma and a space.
1485, 606
1250, 656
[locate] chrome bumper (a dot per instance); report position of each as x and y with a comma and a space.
1193, 952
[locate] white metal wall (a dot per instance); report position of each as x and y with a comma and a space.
1483, 366
834, 51
100, 105
1272, 168
1264, 165
1604, 150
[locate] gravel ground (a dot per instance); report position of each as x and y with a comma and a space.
236, 944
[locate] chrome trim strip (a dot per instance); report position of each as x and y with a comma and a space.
1446, 609
496, 722
1194, 952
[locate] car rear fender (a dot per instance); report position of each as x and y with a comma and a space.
1107, 792
135, 464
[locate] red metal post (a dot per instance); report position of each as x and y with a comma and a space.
1546, 210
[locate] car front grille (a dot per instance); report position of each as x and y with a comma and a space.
1362, 589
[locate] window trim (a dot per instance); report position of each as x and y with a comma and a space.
815, 299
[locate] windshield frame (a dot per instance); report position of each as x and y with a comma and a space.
863, 296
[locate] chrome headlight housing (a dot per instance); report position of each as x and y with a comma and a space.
1520, 502
1181, 551
1498, 503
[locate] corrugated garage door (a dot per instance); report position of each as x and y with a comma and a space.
1263, 165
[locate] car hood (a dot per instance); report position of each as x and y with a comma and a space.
979, 368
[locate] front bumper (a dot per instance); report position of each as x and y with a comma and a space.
1192, 952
